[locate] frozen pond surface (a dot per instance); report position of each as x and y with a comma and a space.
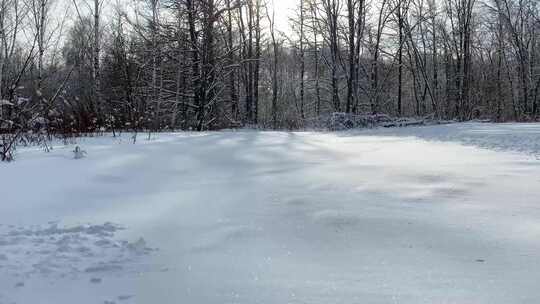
443, 214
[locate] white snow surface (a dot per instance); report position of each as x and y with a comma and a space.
523, 137
441, 214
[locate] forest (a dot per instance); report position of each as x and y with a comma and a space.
69, 67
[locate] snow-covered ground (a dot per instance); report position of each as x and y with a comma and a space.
442, 214
510, 137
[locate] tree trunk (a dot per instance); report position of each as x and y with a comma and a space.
352, 61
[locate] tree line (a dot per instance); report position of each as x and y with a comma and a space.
77, 66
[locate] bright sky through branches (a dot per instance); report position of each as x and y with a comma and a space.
284, 9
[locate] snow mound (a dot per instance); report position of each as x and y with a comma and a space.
54, 251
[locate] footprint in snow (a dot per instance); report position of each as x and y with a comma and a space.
67, 250
124, 297
95, 280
